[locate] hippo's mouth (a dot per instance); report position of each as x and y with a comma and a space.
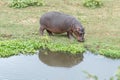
80, 39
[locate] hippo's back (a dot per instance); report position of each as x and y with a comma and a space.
56, 19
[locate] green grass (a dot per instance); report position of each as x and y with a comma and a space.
102, 27
118, 74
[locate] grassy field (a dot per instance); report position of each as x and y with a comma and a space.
102, 27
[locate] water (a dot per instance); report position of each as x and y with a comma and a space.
47, 66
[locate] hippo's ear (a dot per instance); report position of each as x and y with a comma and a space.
83, 29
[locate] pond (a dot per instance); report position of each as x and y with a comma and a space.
57, 66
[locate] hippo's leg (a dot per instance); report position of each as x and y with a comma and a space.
42, 28
50, 33
70, 35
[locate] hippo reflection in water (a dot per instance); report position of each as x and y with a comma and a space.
59, 59
56, 22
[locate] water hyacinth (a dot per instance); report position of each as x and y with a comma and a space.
15, 47
25, 3
92, 3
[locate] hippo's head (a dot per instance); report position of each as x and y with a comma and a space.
79, 33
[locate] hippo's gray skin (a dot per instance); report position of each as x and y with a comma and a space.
56, 22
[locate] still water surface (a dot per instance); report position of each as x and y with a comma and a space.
57, 66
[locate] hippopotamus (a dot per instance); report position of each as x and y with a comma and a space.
57, 22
